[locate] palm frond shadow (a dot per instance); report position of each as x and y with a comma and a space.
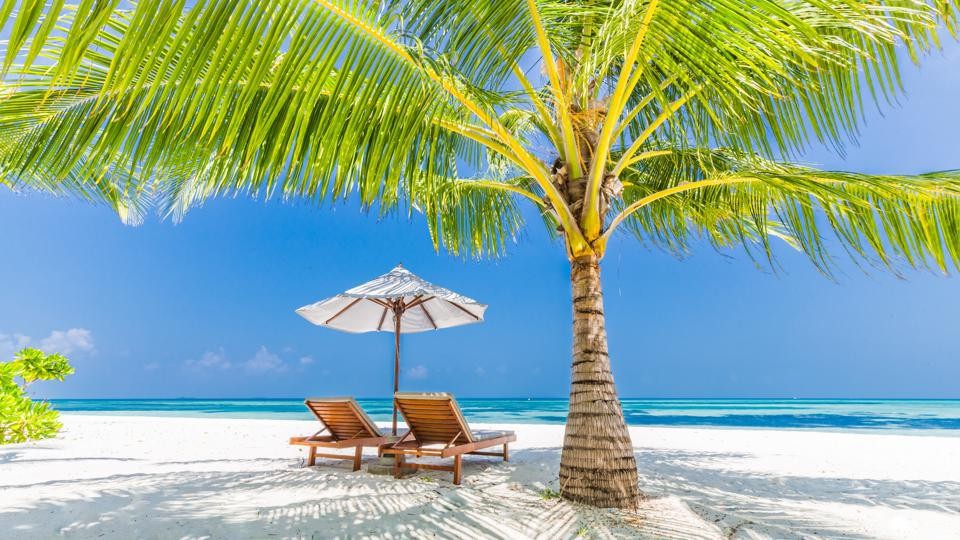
718, 491
320, 502
691, 495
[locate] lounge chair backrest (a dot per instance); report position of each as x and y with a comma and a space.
433, 418
343, 417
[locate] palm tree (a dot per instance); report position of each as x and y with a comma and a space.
662, 119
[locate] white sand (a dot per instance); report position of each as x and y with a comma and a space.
139, 477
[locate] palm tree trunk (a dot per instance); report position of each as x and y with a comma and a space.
597, 466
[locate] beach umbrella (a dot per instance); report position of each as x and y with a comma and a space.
398, 302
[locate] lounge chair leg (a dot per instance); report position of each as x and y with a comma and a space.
506, 452
312, 456
397, 462
456, 469
356, 458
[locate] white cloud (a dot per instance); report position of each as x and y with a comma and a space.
264, 361
210, 360
10, 344
67, 342
151, 366
480, 371
306, 360
418, 372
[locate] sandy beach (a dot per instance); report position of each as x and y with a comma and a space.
153, 477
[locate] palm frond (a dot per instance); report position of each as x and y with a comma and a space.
731, 198
249, 110
482, 40
768, 75
397, 102
467, 216
271, 97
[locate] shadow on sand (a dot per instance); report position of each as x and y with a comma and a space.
776, 505
326, 501
498, 500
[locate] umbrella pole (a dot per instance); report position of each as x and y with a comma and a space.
396, 363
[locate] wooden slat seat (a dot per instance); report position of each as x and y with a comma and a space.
346, 426
437, 428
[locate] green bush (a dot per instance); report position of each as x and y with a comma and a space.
22, 419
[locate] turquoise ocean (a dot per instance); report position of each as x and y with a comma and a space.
940, 417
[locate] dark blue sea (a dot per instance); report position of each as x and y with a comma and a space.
823, 414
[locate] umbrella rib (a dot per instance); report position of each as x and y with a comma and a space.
383, 317
348, 306
427, 313
379, 302
461, 308
417, 300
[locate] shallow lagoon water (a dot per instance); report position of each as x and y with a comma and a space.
861, 414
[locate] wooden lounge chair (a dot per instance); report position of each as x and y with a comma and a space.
438, 429
347, 426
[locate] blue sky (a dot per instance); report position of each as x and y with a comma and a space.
205, 308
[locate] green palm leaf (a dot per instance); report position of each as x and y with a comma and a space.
731, 198
279, 97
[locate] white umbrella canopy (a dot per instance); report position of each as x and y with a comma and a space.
371, 307
398, 302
